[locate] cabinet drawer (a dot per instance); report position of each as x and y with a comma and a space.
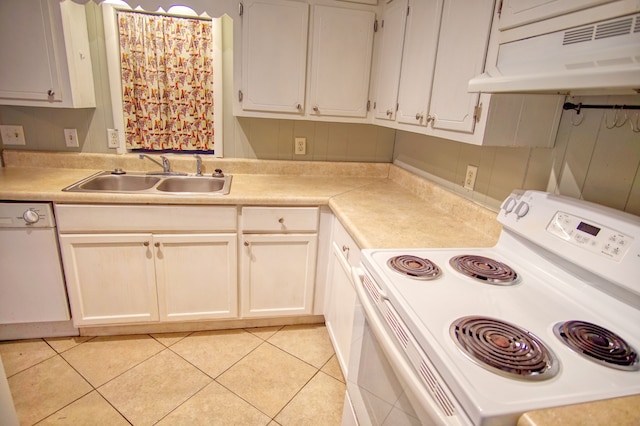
345, 246
129, 218
279, 219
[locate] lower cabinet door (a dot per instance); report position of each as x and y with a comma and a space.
110, 278
277, 274
196, 276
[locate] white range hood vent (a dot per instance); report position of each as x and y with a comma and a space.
601, 58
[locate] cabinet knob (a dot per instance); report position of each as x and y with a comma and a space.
299, 107
345, 249
316, 109
389, 113
146, 244
281, 220
51, 93
430, 118
419, 116
246, 244
157, 244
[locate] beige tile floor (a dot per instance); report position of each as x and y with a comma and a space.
260, 376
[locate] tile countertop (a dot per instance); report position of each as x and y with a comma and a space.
381, 205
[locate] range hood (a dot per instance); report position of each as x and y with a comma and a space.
599, 58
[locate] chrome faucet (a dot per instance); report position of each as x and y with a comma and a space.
166, 166
198, 165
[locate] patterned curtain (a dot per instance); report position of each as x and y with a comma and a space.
167, 82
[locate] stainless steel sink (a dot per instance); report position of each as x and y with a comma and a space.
119, 183
192, 184
139, 183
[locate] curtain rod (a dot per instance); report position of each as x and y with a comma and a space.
578, 107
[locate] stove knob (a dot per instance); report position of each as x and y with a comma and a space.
31, 216
522, 209
508, 205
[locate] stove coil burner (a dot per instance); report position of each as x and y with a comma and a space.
504, 348
598, 344
484, 269
414, 267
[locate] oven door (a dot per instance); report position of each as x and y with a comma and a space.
383, 384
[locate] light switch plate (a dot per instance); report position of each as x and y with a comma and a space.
71, 138
12, 135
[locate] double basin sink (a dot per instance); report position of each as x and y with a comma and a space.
140, 183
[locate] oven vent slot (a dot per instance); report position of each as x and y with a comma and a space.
436, 389
393, 322
371, 289
418, 360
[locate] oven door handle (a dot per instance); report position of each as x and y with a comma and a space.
396, 359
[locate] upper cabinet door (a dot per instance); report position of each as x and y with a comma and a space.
274, 55
389, 59
464, 33
340, 61
520, 12
418, 61
46, 60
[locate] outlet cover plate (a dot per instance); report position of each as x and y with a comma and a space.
113, 139
300, 147
12, 135
470, 177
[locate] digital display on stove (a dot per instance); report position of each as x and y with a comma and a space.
589, 229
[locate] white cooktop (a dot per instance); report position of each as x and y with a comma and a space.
549, 290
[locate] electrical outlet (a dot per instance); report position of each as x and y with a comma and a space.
113, 139
12, 135
300, 146
71, 138
470, 177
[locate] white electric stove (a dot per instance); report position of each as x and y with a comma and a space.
490, 333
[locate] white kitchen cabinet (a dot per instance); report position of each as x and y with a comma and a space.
389, 61
274, 55
110, 278
341, 296
44, 47
196, 276
444, 44
342, 43
276, 47
520, 12
132, 264
462, 47
418, 61
278, 261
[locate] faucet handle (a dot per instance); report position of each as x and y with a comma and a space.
165, 164
198, 165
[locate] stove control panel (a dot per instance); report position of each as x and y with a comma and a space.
589, 235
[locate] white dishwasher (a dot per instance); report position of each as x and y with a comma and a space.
32, 286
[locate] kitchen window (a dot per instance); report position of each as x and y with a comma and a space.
165, 71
